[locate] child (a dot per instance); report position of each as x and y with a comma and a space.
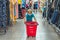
29, 16
35, 7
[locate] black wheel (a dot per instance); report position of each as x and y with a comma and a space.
5, 31
33, 36
27, 36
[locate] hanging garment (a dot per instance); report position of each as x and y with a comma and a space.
23, 4
14, 2
57, 20
50, 12
27, 1
55, 3
19, 7
19, 1
8, 12
54, 17
15, 18
27, 5
16, 10
19, 11
3, 13
11, 10
4, 18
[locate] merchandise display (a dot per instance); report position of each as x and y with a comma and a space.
8, 12
19, 1
13, 11
53, 14
23, 3
17, 9
3, 16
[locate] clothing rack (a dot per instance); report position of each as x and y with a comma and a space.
53, 13
4, 15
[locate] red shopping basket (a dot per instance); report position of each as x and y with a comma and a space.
31, 28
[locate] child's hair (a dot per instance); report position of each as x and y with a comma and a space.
30, 10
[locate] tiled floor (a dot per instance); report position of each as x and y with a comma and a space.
18, 31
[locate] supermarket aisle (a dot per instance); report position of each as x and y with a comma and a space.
18, 31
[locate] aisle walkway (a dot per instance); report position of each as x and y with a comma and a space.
18, 31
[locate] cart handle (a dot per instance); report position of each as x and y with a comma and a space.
31, 23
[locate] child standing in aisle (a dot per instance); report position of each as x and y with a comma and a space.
35, 7
29, 16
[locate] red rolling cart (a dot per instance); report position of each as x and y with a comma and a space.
31, 28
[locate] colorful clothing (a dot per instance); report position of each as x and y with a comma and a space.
29, 17
19, 1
